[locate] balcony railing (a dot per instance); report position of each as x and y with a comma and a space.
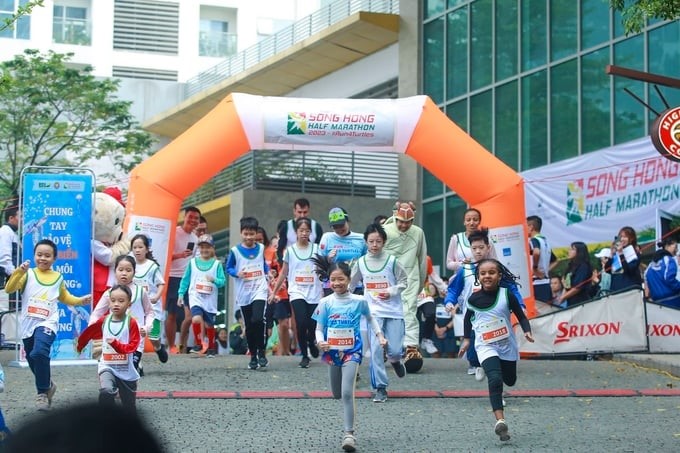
71, 31
353, 173
286, 38
217, 44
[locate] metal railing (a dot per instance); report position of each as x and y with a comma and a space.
348, 173
286, 38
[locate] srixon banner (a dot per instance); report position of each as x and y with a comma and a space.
612, 324
663, 328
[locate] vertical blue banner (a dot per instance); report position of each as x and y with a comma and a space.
58, 207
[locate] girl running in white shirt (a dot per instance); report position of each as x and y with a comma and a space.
338, 317
149, 276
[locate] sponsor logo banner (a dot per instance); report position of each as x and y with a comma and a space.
612, 324
663, 328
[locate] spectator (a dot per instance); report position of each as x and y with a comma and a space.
286, 229
577, 280
556, 290
9, 254
542, 259
625, 261
602, 279
222, 341
459, 253
661, 275
237, 335
444, 335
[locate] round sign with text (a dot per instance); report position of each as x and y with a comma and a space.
666, 134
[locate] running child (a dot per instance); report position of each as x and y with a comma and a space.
42, 287
148, 275
488, 315
338, 317
140, 306
202, 279
121, 335
304, 289
247, 265
463, 285
384, 279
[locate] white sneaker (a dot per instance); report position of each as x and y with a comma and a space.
501, 429
428, 346
479, 373
471, 370
349, 442
41, 402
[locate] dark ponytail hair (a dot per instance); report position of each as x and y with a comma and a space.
324, 266
507, 277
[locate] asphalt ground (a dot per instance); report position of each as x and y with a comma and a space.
201, 404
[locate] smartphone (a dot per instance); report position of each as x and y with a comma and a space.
190, 245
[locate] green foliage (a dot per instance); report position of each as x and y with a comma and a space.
55, 115
635, 13
21, 11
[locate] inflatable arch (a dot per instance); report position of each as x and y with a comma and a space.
414, 126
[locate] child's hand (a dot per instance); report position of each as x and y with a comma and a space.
180, 300
142, 331
25, 265
240, 274
463, 347
383, 296
529, 336
451, 308
86, 299
155, 298
110, 340
382, 340
323, 345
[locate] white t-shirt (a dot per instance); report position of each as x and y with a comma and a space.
182, 239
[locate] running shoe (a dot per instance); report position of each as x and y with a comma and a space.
253, 363
428, 346
196, 349
50, 392
210, 353
313, 349
304, 363
380, 395
205, 346
471, 370
501, 429
349, 442
41, 402
174, 350
399, 368
479, 373
162, 354
262, 360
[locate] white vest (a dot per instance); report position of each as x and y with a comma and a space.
377, 281
40, 307
119, 364
203, 293
254, 285
493, 330
303, 283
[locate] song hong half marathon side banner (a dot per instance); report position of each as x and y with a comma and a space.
59, 207
590, 197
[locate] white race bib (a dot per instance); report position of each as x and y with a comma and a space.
39, 308
341, 338
111, 357
494, 331
203, 286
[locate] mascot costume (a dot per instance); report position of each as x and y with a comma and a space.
407, 243
108, 243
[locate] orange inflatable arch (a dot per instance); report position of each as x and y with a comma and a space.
414, 126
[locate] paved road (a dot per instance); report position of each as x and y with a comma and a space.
311, 422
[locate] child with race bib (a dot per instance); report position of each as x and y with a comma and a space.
202, 279
383, 279
148, 275
488, 315
140, 306
120, 332
42, 287
337, 334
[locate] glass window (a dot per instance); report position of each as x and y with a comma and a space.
534, 121
481, 117
21, 28
433, 222
563, 29
506, 39
434, 7
629, 114
595, 101
564, 111
507, 124
594, 23
481, 44
433, 55
215, 39
432, 186
664, 59
534, 51
457, 53
457, 112
70, 25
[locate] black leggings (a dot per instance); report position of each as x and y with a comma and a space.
427, 312
254, 319
498, 372
304, 324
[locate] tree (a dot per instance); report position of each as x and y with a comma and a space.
21, 11
635, 13
53, 114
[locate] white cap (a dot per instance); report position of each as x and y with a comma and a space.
604, 253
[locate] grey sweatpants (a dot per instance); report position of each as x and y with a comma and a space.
343, 381
109, 385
